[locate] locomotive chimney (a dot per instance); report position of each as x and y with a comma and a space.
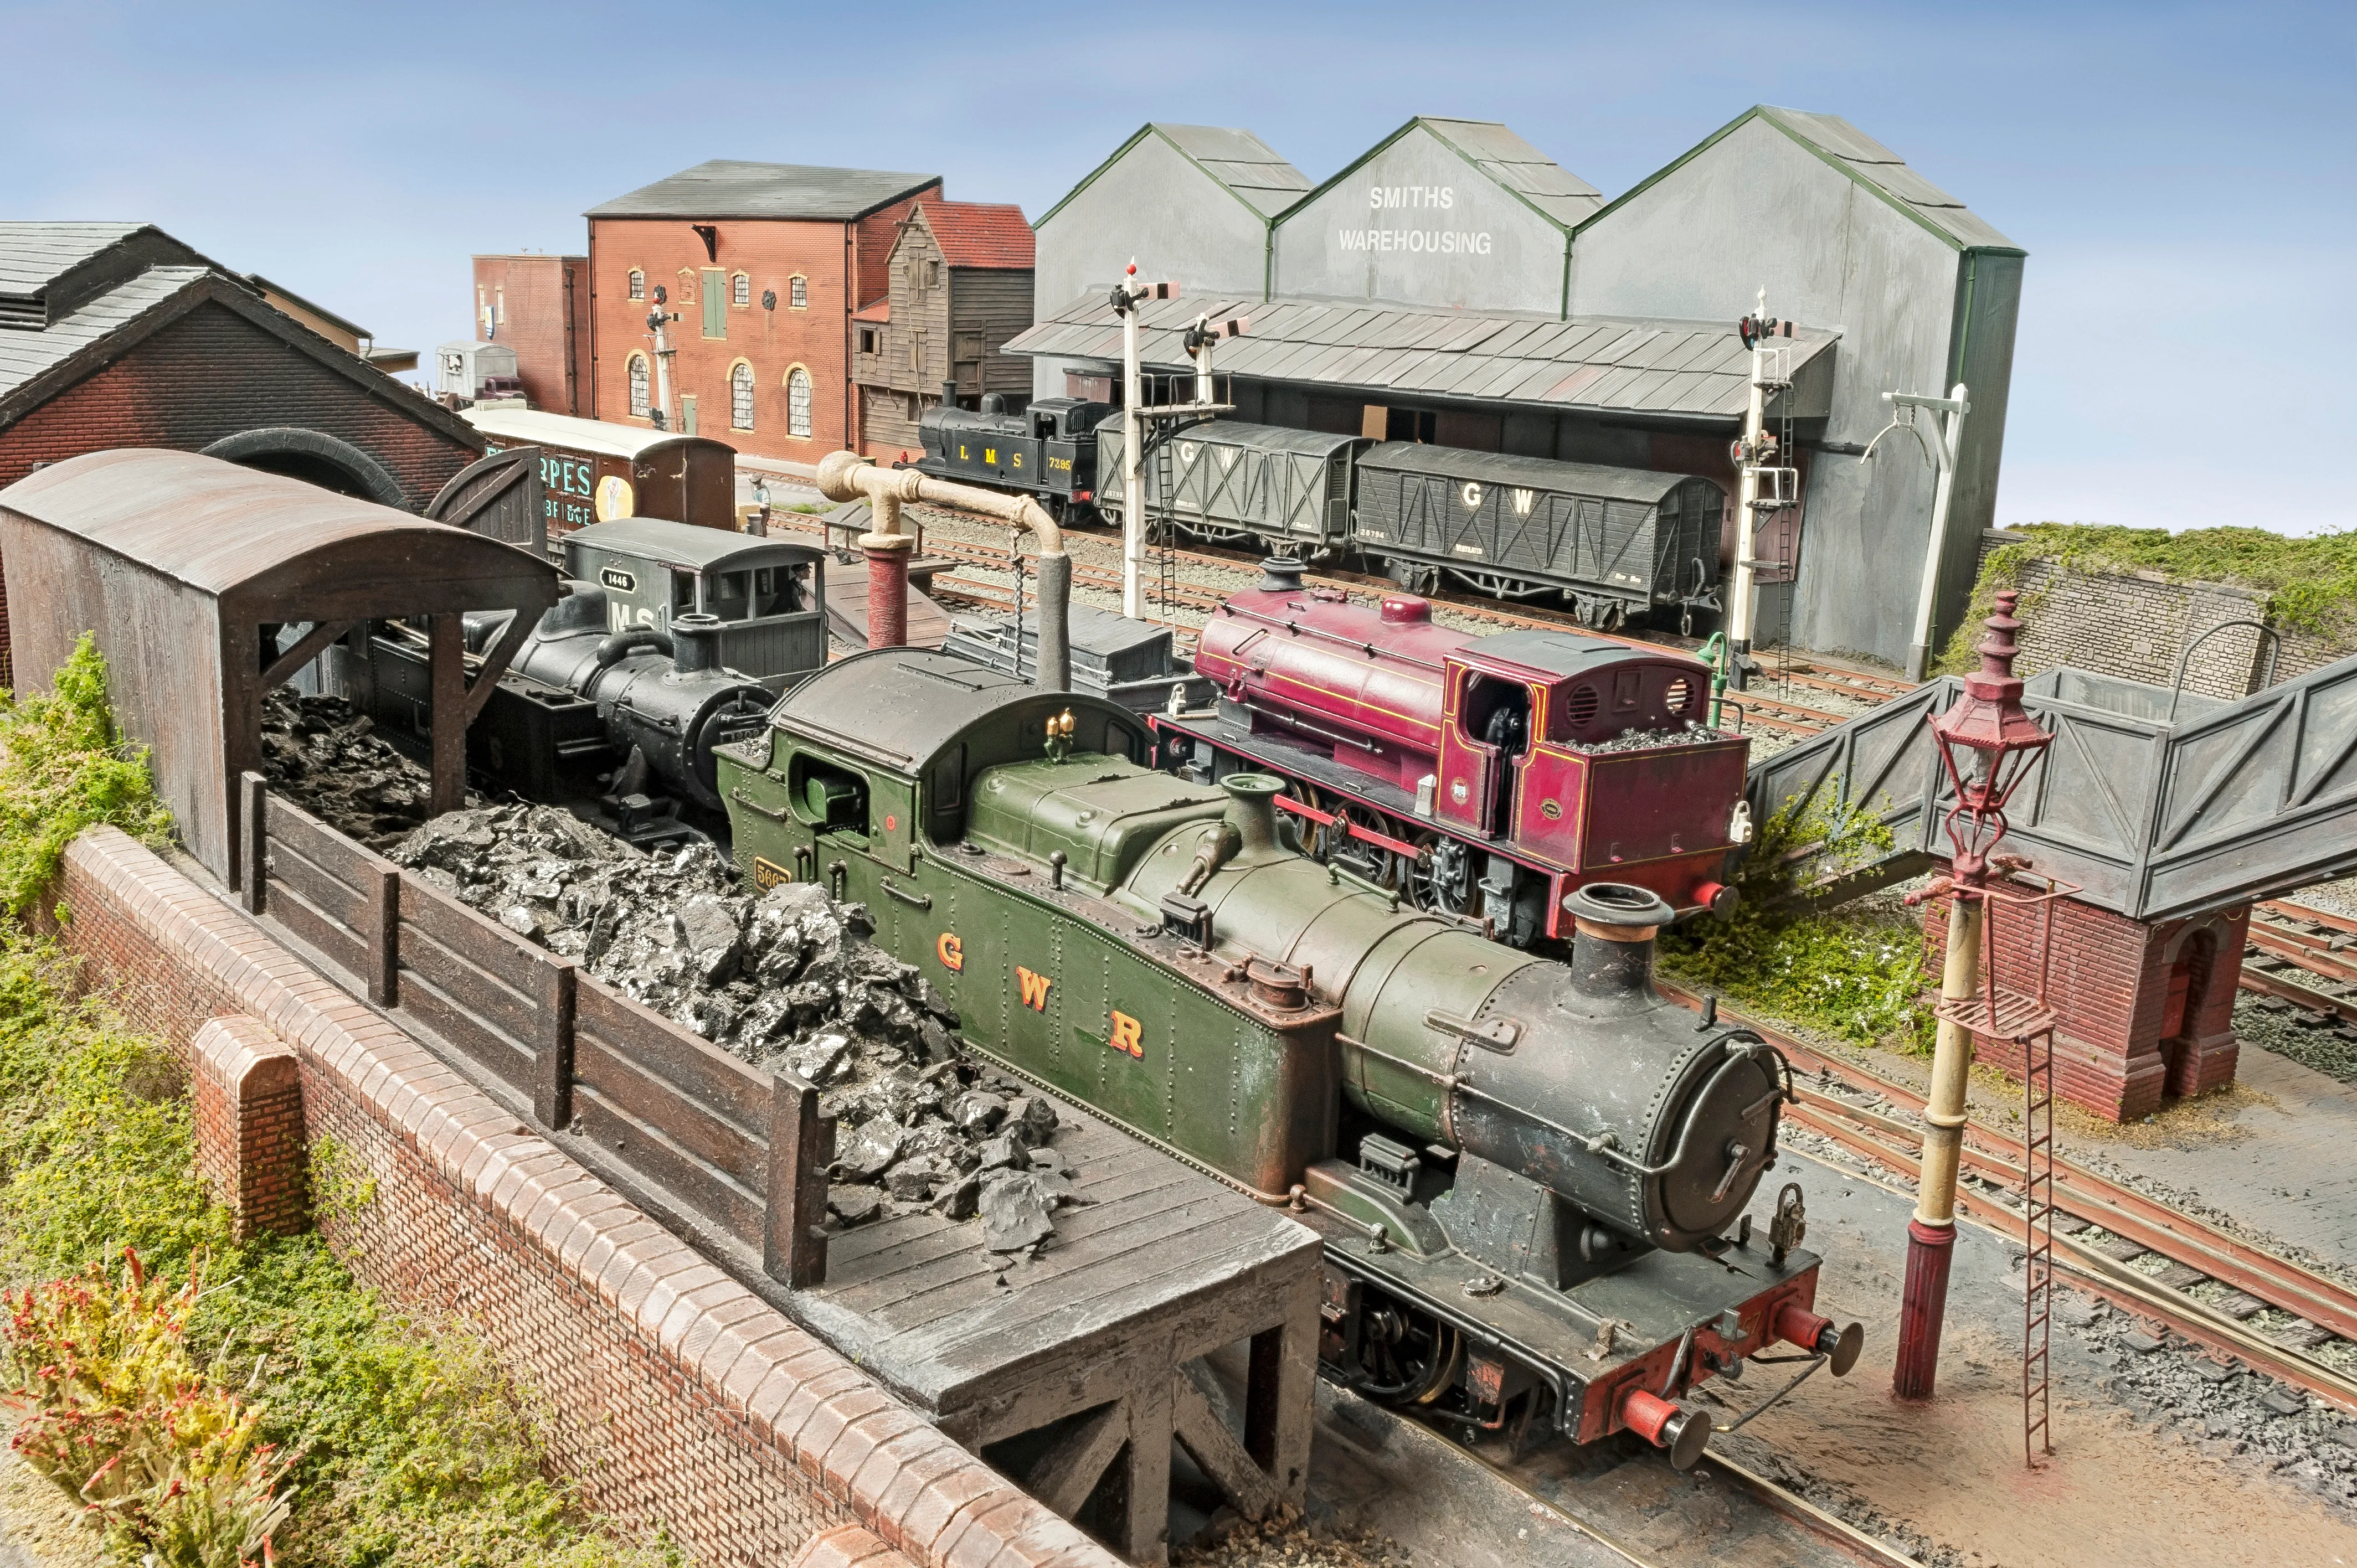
1252, 811
1612, 956
695, 643
1280, 575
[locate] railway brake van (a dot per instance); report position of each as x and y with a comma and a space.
1440, 1109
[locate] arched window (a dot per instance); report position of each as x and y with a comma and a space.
638, 386
798, 293
741, 290
638, 284
741, 396
798, 402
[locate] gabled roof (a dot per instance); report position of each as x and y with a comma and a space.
1239, 162
978, 234
1858, 155
1670, 368
1548, 189
726, 188
39, 363
321, 311
33, 255
875, 312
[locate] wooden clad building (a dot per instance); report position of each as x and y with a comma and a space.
959, 287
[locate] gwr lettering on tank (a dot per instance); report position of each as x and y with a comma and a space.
1032, 988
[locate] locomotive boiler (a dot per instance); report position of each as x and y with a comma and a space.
1484, 777
1532, 1177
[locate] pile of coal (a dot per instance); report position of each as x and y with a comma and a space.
1687, 733
785, 977
325, 756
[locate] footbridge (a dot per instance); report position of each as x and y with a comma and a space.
2158, 803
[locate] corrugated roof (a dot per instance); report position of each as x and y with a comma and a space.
1241, 162
32, 254
1520, 168
27, 354
540, 428
1624, 364
1870, 163
980, 233
725, 187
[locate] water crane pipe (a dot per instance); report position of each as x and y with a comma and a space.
848, 477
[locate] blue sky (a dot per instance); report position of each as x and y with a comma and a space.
2181, 175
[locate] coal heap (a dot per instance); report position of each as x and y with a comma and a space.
786, 978
324, 755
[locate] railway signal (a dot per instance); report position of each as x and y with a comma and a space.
1127, 295
1766, 482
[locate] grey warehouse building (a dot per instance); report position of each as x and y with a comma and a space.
1453, 285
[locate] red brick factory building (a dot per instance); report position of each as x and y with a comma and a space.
764, 265
538, 305
118, 335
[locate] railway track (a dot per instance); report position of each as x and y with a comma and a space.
2143, 1255
2306, 957
1788, 1509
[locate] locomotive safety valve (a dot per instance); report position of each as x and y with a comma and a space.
1679, 1433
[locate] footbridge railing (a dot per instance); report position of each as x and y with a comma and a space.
2158, 804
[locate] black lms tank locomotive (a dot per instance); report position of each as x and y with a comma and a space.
1048, 450
1531, 1177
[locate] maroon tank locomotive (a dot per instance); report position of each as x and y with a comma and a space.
1481, 776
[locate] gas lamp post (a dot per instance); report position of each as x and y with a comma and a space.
1987, 746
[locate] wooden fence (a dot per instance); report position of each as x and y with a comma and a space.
735, 1151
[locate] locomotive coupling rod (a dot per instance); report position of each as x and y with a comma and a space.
846, 476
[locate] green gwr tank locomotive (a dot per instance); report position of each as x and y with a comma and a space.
1529, 1174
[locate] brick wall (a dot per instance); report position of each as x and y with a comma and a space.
2121, 1044
677, 1395
2136, 627
530, 305
837, 260
247, 1091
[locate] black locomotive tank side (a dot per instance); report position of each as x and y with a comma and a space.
1529, 1174
1049, 449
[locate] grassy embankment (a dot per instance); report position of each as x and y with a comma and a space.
214, 1403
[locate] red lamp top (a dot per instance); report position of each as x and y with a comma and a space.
1989, 717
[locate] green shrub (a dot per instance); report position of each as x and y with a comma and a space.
1854, 972
63, 767
406, 1448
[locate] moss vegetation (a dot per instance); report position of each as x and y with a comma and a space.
1854, 973
2311, 584
64, 766
190, 1388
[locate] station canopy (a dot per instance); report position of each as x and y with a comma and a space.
1603, 364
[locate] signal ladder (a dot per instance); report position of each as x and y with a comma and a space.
1776, 521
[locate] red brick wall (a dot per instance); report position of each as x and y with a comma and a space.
677, 1395
2109, 983
247, 1091
213, 373
770, 251
530, 303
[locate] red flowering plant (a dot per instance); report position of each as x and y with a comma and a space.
169, 1460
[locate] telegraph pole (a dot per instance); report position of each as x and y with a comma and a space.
1127, 295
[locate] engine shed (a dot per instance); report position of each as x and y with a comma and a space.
207, 583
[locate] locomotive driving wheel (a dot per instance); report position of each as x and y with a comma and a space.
1409, 1358
1440, 879
1337, 845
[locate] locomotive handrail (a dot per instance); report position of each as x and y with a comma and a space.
1295, 627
